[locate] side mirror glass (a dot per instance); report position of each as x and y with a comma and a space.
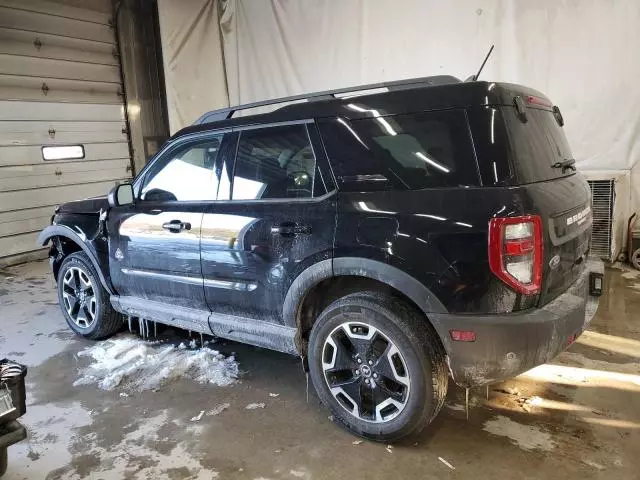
121, 195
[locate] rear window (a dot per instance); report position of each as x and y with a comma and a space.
536, 145
274, 162
423, 150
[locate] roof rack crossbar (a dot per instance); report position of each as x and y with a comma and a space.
226, 113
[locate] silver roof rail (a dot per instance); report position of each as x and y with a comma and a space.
226, 113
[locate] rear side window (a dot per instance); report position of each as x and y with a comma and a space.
492, 145
536, 145
274, 162
413, 151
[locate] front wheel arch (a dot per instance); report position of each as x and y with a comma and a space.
60, 233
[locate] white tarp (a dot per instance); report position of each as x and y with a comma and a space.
581, 53
192, 58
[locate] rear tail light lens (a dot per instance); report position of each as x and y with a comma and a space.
515, 252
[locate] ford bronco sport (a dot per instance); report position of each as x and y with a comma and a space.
391, 235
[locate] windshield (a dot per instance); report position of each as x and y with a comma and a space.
537, 145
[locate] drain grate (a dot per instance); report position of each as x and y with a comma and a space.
602, 197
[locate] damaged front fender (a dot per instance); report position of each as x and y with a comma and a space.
87, 245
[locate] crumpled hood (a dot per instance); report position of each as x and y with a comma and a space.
87, 206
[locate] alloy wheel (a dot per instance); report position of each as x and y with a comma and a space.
365, 372
79, 297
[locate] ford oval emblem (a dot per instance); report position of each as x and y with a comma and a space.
554, 262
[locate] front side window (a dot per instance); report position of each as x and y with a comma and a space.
185, 174
399, 152
274, 162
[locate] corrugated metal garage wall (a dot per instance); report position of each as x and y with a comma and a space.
60, 84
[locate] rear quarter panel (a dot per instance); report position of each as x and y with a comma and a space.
438, 236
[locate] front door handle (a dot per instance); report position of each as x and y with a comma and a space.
290, 229
176, 226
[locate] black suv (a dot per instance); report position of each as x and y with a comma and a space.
390, 235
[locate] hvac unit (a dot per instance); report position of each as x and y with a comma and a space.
602, 199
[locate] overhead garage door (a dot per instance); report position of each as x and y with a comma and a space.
60, 85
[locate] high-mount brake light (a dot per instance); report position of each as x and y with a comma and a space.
533, 100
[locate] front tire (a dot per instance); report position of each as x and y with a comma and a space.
377, 364
84, 301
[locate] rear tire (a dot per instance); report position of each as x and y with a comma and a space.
377, 364
84, 301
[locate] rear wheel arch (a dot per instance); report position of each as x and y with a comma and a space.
324, 282
65, 242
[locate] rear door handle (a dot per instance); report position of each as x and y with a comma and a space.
290, 229
176, 226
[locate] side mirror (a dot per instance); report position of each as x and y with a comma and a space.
121, 195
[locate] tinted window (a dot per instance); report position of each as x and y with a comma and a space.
492, 144
274, 162
536, 144
185, 174
430, 149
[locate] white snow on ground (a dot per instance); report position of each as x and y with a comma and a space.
132, 363
527, 437
198, 417
217, 410
300, 473
254, 406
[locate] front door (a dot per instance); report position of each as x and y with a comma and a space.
273, 218
154, 244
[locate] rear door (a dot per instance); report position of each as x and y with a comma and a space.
154, 244
540, 157
275, 215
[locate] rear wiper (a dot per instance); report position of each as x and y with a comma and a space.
565, 164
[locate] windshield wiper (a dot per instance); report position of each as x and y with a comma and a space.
565, 164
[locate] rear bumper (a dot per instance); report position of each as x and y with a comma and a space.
507, 345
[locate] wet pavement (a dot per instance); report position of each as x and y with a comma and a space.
576, 418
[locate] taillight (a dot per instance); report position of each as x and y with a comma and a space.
515, 252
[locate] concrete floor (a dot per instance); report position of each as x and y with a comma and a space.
585, 423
